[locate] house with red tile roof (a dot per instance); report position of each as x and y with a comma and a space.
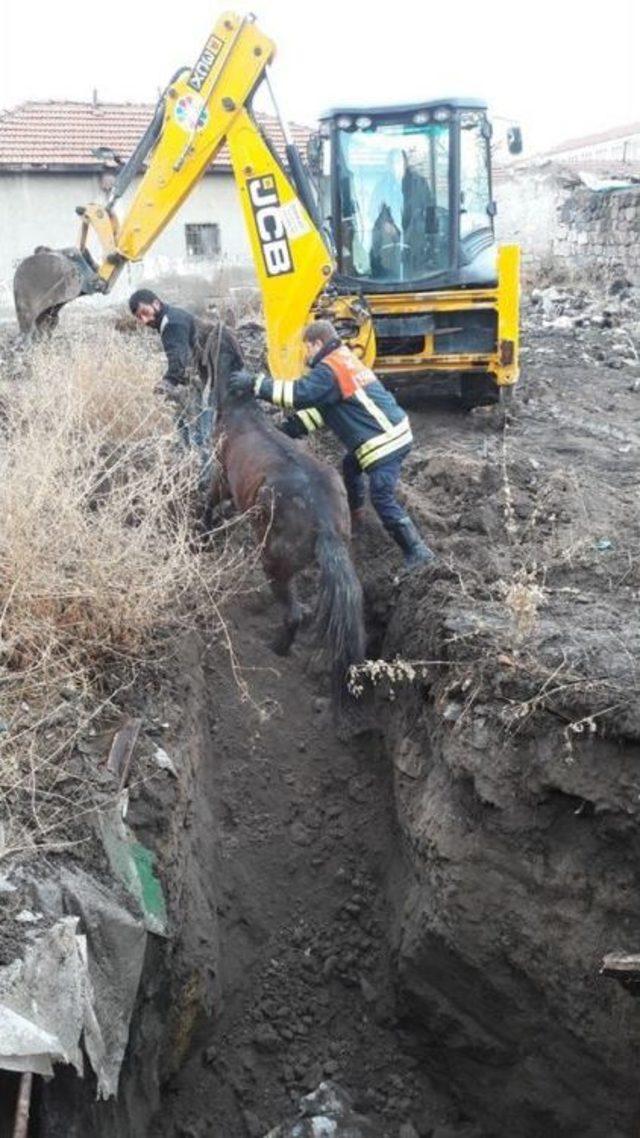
49, 165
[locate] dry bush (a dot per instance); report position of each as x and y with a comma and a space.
522, 596
97, 548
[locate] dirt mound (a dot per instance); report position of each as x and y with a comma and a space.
515, 755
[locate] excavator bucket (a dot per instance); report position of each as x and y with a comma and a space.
46, 281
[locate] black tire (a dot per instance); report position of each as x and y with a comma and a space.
478, 391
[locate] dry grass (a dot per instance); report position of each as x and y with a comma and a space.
97, 550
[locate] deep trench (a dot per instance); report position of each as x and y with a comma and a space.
286, 870
415, 913
295, 900
309, 866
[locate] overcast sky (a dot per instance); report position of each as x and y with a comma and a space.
559, 67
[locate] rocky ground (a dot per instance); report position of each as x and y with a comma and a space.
415, 912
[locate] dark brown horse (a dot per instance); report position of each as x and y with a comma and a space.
300, 516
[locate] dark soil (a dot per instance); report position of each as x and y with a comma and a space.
418, 908
439, 957
307, 849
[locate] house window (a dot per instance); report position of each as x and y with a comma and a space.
203, 240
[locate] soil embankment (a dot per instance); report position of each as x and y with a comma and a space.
417, 910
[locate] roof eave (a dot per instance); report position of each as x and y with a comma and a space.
78, 168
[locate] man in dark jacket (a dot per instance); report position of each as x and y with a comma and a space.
195, 349
340, 392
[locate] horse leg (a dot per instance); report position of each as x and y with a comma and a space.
216, 493
285, 592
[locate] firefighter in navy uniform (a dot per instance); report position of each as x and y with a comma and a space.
340, 392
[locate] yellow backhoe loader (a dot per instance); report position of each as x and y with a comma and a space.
387, 228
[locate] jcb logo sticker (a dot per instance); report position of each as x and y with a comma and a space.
270, 225
202, 69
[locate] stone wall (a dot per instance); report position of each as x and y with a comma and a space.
561, 223
600, 230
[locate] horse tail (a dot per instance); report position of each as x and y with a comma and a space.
339, 616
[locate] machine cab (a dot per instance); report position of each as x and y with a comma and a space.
406, 195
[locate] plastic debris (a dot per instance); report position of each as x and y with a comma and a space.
42, 1000
328, 1113
80, 976
164, 761
604, 544
133, 864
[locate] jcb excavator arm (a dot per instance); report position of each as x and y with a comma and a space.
202, 109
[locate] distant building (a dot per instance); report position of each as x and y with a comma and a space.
47, 169
621, 144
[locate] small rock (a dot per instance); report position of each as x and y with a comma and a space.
562, 324
408, 1130
300, 835
164, 761
26, 917
288, 1075
368, 991
452, 712
266, 1038
192, 1129
253, 1125
209, 1056
312, 1077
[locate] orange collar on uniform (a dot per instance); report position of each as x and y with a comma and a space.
350, 372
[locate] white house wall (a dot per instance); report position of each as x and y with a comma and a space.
39, 209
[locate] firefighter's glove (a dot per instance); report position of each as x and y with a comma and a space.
243, 384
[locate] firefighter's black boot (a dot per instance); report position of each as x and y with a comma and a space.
416, 551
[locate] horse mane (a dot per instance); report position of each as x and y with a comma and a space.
247, 410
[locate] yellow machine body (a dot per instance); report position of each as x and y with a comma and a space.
208, 107
503, 301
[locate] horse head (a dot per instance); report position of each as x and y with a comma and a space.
228, 359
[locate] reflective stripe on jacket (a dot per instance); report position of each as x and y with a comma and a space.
343, 393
